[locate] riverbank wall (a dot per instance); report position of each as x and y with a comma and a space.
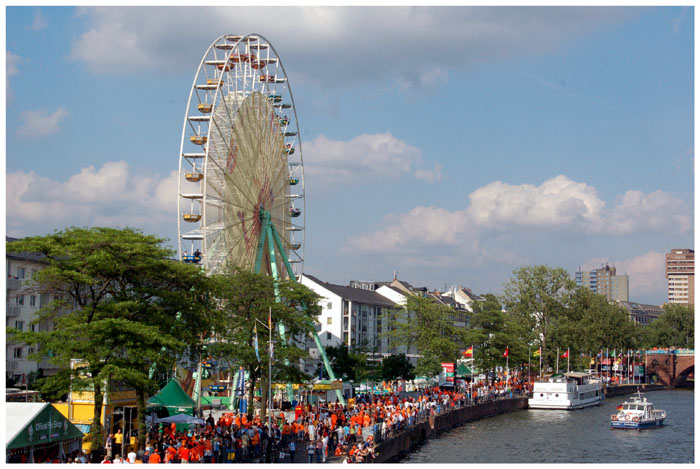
624, 389
397, 447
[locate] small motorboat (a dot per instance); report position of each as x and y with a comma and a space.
637, 414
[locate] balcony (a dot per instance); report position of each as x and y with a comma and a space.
14, 283
12, 311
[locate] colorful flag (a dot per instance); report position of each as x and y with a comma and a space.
505, 354
255, 341
565, 354
469, 353
619, 407
538, 352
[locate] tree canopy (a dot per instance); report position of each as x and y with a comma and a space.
115, 295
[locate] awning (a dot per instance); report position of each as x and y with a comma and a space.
32, 424
181, 418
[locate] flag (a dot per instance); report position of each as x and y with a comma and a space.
565, 354
255, 341
505, 354
538, 352
619, 407
469, 353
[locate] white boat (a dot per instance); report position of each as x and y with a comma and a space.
568, 392
637, 414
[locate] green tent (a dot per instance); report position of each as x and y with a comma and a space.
30, 424
173, 398
463, 371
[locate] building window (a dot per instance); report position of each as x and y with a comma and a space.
18, 352
329, 320
19, 299
20, 272
32, 300
329, 336
329, 305
19, 325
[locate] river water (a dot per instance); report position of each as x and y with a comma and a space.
560, 436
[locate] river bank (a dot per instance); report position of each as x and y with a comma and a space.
395, 448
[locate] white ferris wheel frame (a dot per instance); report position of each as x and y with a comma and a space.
222, 50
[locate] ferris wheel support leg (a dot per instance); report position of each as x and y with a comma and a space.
269, 227
261, 244
324, 357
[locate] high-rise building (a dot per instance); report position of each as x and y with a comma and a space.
606, 282
680, 274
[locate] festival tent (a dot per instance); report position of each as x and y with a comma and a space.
34, 426
173, 398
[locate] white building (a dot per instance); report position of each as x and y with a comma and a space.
350, 316
23, 301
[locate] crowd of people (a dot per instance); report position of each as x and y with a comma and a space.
312, 433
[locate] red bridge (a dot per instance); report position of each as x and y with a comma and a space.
671, 367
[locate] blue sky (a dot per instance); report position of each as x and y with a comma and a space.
451, 144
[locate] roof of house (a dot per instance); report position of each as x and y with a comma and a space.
354, 294
641, 308
25, 256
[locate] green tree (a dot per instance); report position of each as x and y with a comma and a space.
675, 327
591, 324
246, 299
397, 366
429, 327
537, 297
347, 365
116, 293
491, 332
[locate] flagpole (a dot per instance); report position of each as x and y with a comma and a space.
568, 359
557, 360
540, 349
528, 364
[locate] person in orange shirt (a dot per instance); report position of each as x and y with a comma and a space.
154, 458
184, 453
170, 453
194, 454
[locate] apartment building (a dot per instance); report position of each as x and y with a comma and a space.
23, 300
350, 316
680, 275
606, 282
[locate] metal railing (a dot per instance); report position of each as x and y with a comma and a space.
14, 283
12, 311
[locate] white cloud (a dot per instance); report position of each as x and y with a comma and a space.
558, 204
11, 69
657, 211
365, 157
420, 226
375, 42
113, 195
39, 21
40, 123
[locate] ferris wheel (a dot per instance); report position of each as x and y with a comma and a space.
241, 200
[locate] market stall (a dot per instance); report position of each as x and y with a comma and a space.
38, 432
